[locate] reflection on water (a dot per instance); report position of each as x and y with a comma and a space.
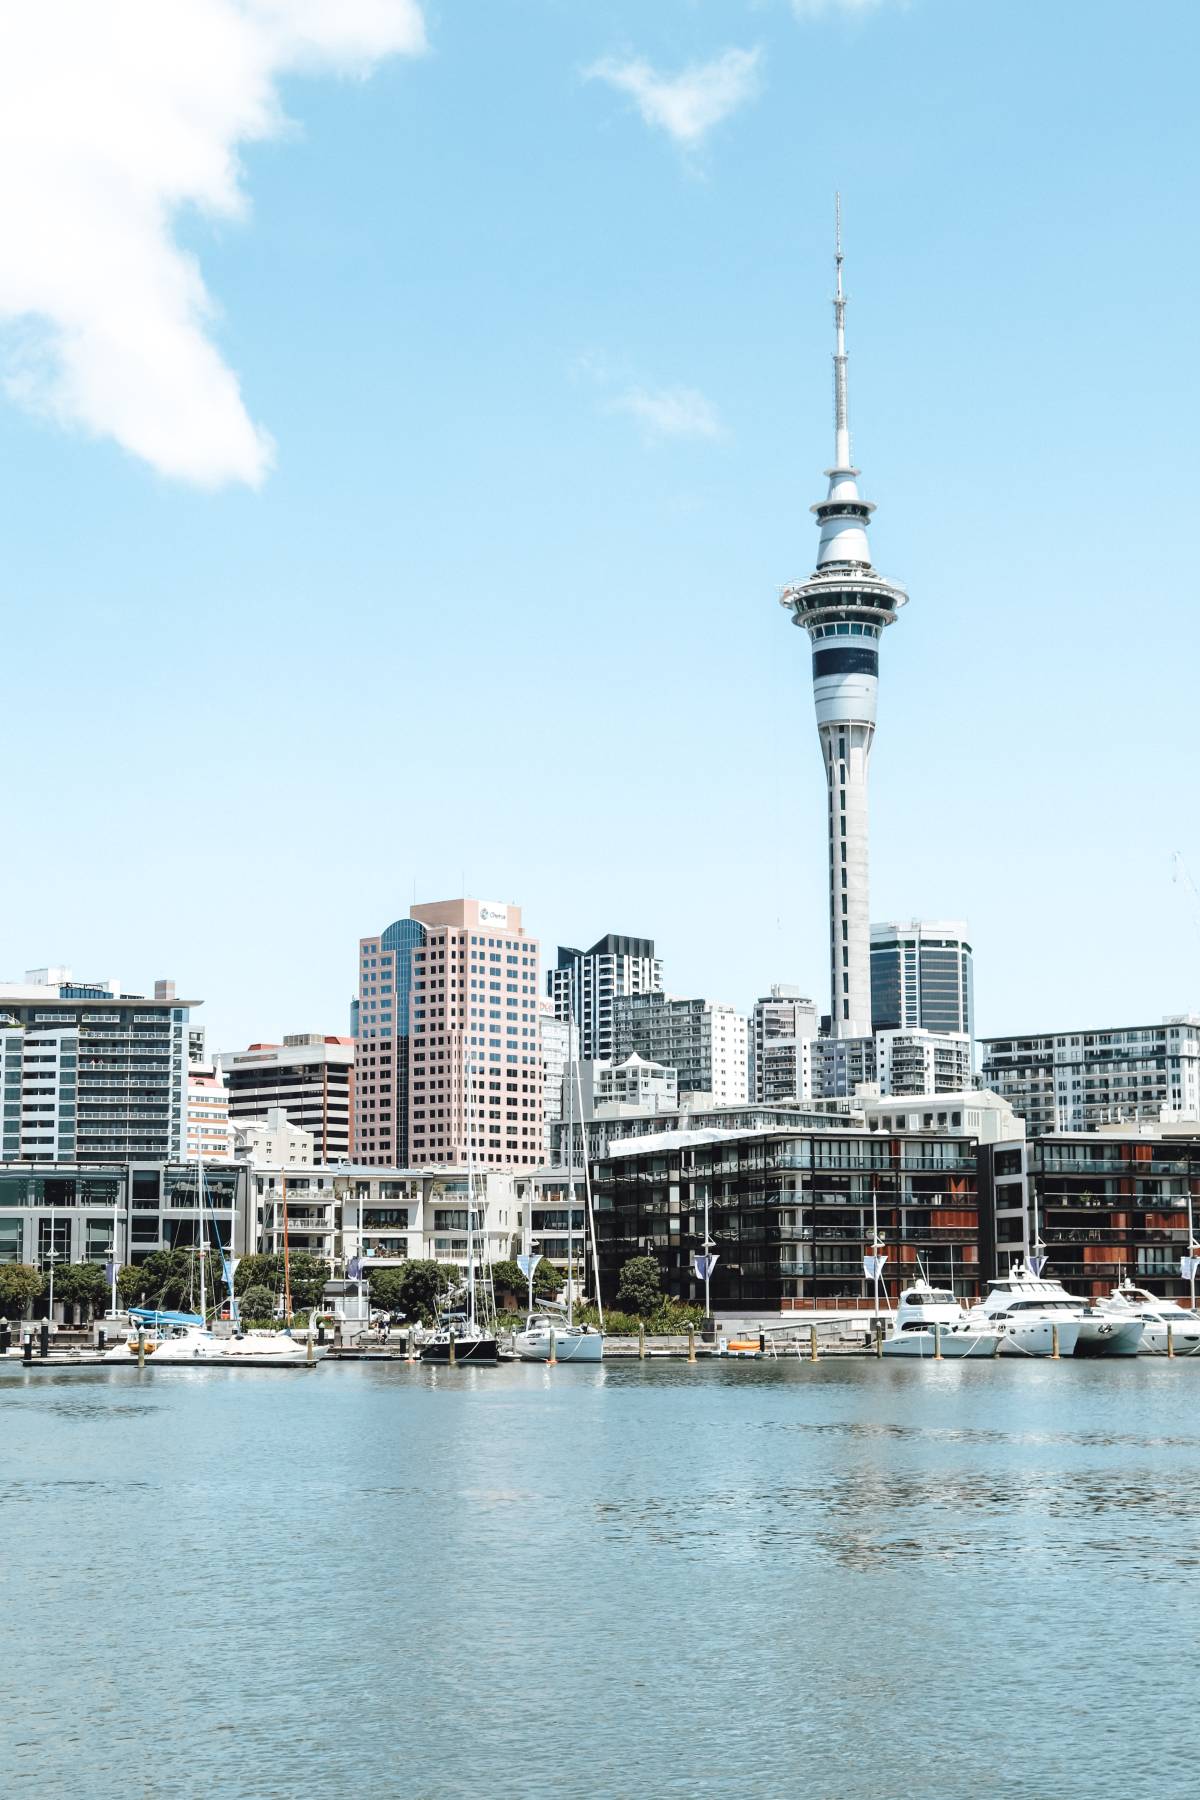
642, 1580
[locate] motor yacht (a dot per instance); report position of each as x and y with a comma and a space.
925, 1315
1156, 1315
571, 1343
1031, 1307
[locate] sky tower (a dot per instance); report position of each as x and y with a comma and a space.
844, 606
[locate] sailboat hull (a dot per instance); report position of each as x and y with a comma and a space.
472, 1350
570, 1345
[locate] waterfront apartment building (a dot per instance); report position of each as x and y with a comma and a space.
704, 1041
381, 1015
922, 976
308, 1077
1102, 1204
791, 1213
782, 1028
274, 1141
1078, 1080
474, 1044
587, 984
90, 1073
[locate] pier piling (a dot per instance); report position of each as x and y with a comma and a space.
1170, 1340
641, 1340
27, 1346
813, 1352
552, 1359
691, 1343
44, 1340
937, 1343
1054, 1343
453, 1357
141, 1346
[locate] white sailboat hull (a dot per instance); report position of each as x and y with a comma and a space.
572, 1343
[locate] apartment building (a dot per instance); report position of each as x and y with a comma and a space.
1079, 1080
704, 1041
309, 1078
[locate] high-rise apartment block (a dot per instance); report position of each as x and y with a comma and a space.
1077, 1080
308, 1077
705, 1042
922, 975
473, 1045
782, 1027
209, 1133
894, 1062
844, 606
91, 1073
587, 984
560, 1053
381, 1014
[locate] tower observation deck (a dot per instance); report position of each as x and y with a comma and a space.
844, 606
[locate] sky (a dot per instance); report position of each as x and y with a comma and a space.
410, 414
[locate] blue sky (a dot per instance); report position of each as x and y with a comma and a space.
546, 373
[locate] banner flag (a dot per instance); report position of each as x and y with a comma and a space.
527, 1264
1038, 1263
1189, 1266
704, 1266
873, 1265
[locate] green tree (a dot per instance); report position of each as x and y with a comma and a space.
387, 1289
508, 1281
639, 1289
170, 1279
422, 1285
131, 1284
82, 1284
307, 1275
19, 1284
256, 1303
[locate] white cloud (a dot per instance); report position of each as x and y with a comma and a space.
814, 9
114, 114
678, 412
689, 104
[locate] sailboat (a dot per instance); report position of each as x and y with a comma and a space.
461, 1336
546, 1335
182, 1338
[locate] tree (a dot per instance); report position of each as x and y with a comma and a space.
19, 1284
387, 1289
307, 1275
170, 1279
81, 1284
421, 1286
639, 1289
131, 1283
256, 1303
507, 1279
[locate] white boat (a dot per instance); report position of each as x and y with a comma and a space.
927, 1316
1033, 1309
1157, 1315
198, 1344
571, 1343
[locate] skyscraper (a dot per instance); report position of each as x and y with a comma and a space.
380, 1014
844, 606
587, 983
922, 975
474, 1019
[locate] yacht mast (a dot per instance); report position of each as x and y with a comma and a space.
571, 1171
200, 1233
470, 1192
587, 1194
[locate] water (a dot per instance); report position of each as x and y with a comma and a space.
858, 1579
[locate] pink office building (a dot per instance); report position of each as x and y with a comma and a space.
446, 998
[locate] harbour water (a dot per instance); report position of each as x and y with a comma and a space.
873, 1581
